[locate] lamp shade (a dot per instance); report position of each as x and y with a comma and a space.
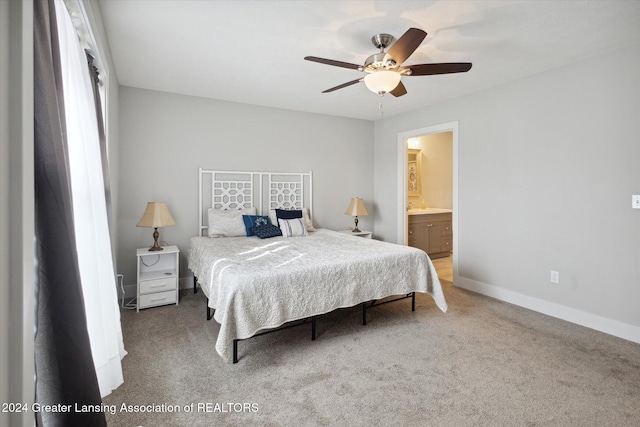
156, 215
382, 81
356, 207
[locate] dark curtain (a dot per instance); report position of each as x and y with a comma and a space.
95, 83
65, 374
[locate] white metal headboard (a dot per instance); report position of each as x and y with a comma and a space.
264, 190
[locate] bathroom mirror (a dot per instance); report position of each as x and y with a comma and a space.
414, 171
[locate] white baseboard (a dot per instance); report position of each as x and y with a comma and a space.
582, 318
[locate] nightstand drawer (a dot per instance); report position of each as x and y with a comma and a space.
158, 285
160, 298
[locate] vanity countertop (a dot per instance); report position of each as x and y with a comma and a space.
428, 211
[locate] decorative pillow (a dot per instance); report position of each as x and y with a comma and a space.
305, 214
273, 217
307, 219
293, 227
266, 231
288, 214
228, 223
251, 221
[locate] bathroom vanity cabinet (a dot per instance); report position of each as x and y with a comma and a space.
431, 232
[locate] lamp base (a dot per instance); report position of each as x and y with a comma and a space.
356, 229
156, 246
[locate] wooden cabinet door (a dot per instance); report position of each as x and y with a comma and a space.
419, 236
435, 237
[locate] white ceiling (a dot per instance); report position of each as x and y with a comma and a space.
252, 51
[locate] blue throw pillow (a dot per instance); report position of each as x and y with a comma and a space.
251, 221
288, 214
266, 231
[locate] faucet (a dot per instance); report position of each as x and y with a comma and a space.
409, 206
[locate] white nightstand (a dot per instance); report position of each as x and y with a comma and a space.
158, 276
362, 233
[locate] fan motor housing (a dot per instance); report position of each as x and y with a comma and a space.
377, 61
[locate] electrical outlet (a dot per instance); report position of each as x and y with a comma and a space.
555, 277
635, 202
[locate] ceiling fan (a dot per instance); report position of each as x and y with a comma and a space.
384, 69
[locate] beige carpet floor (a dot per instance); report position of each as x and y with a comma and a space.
483, 363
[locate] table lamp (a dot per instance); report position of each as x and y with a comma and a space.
356, 208
156, 215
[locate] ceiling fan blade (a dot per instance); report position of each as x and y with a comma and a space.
441, 68
406, 45
352, 82
399, 90
332, 62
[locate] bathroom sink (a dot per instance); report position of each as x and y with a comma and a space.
427, 211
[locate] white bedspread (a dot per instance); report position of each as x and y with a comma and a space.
256, 284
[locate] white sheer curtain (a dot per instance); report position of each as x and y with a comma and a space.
93, 242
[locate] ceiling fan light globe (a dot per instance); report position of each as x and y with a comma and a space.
382, 81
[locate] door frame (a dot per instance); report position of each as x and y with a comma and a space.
402, 224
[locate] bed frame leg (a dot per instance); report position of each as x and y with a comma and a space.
313, 328
413, 301
364, 313
235, 351
195, 285
209, 313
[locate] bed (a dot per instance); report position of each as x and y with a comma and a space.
255, 284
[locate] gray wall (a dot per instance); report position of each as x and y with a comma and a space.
165, 138
547, 166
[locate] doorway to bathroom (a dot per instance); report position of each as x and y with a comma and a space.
427, 194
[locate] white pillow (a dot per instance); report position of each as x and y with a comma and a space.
307, 219
292, 227
305, 214
228, 223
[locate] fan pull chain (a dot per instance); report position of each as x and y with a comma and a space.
380, 105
